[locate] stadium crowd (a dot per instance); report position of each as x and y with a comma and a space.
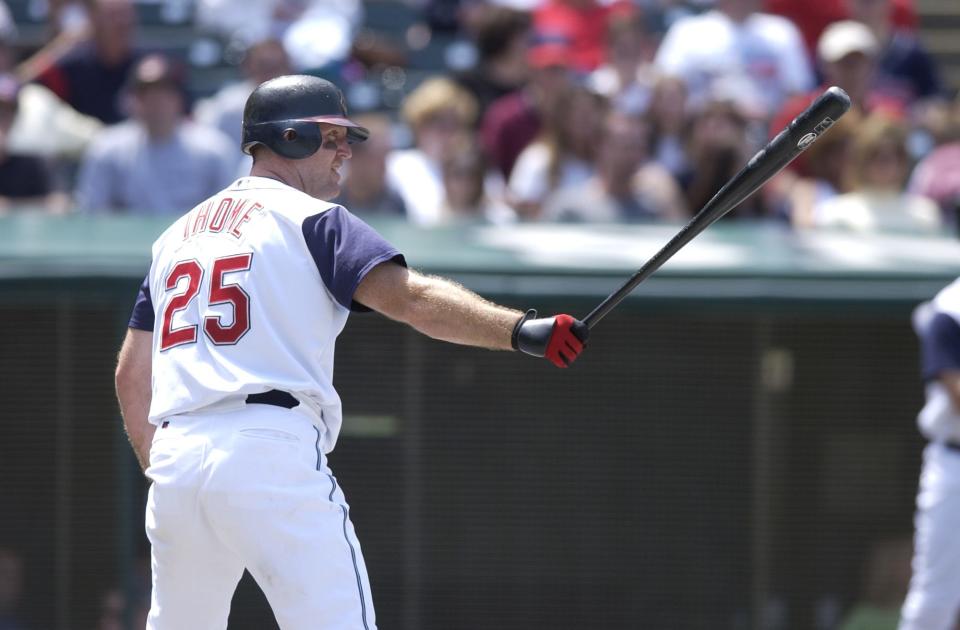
536, 110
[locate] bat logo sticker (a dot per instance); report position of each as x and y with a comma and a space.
806, 141
809, 138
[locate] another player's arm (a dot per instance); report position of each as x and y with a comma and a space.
445, 310
940, 352
132, 379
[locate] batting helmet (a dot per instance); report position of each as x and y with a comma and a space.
283, 113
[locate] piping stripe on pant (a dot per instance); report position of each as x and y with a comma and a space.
353, 552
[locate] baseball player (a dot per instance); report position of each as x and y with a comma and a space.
225, 375
933, 601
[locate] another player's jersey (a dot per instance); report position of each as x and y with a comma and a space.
938, 326
247, 293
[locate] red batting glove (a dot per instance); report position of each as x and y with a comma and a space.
560, 338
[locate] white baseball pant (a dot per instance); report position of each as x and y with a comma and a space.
249, 488
933, 602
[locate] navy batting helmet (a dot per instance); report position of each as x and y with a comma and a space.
283, 113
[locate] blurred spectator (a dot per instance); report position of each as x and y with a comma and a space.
582, 23
441, 114
937, 176
885, 579
466, 196
364, 188
513, 121
157, 162
717, 148
877, 201
847, 53
627, 77
315, 33
262, 61
627, 186
812, 16
8, 28
24, 180
114, 608
563, 154
68, 16
668, 121
45, 126
756, 56
11, 587
91, 77
501, 36
826, 177
906, 71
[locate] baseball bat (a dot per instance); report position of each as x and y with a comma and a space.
788, 144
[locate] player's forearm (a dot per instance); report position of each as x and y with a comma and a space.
135, 408
133, 383
447, 311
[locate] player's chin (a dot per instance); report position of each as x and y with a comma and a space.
330, 190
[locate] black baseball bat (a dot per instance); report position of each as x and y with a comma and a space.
788, 144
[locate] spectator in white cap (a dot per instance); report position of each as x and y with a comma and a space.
846, 55
847, 52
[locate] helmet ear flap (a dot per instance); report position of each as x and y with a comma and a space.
293, 139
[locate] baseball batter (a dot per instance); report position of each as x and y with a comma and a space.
933, 602
225, 375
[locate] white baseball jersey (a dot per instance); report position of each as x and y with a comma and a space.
938, 325
247, 293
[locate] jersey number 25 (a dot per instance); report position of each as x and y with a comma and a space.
220, 293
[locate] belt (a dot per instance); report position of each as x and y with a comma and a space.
275, 397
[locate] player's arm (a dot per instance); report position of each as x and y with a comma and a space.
940, 354
445, 310
133, 382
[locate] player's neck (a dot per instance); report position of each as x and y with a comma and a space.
278, 171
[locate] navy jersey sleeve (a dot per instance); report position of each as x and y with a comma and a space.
345, 249
940, 346
142, 316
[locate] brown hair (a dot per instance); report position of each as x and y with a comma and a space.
496, 27
873, 134
435, 95
838, 139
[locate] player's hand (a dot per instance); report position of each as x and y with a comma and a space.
560, 338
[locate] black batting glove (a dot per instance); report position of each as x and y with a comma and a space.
560, 338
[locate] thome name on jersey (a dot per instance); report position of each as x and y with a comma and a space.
247, 292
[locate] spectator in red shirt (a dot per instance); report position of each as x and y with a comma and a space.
581, 22
514, 120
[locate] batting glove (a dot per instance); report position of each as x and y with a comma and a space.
560, 338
